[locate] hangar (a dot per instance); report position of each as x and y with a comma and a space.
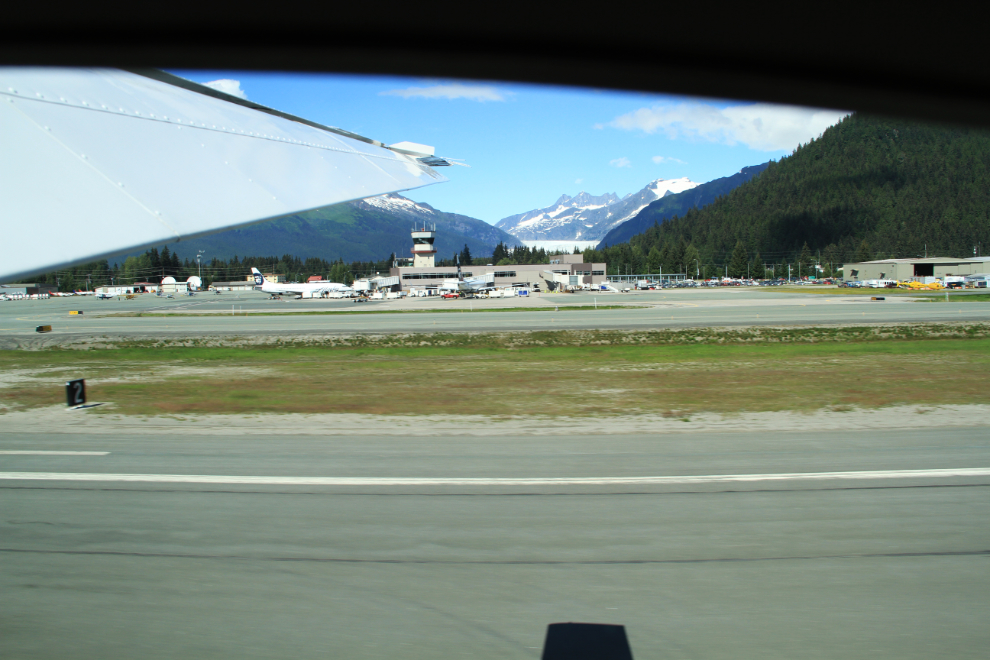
904, 270
28, 288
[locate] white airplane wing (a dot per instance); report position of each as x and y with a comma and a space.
97, 162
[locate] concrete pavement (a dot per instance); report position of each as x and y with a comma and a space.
853, 568
662, 309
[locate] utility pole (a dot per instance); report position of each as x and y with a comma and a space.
697, 272
199, 263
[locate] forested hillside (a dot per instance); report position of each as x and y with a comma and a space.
354, 231
867, 188
679, 203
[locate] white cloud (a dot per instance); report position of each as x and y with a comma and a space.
578, 182
227, 86
620, 162
666, 159
480, 93
760, 126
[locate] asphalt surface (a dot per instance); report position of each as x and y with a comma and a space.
662, 309
874, 566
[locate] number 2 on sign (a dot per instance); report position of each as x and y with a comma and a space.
75, 392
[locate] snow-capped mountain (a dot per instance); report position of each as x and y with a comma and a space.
400, 205
587, 217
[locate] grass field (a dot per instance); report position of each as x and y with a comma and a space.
548, 376
959, 297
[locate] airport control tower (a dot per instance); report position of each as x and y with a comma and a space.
423, 249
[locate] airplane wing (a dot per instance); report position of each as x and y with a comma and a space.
96, 162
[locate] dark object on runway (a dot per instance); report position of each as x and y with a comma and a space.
43, 328
75, 392
877, 298
586, 641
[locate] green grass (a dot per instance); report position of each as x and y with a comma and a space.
958, 297
677, 373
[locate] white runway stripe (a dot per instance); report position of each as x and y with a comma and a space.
52, 453
494, 481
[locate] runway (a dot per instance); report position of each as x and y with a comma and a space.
676, 308
705, 545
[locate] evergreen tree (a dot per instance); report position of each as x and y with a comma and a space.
466, 256
692, 261
738, 261
155, 265
864, 253
653, 260
756, 269
805, 262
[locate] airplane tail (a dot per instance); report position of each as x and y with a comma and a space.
259, 279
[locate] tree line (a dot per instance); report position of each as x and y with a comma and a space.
155, 265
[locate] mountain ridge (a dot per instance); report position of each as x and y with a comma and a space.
586, 217
362, 230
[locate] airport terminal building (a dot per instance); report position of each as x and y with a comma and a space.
569, 270
563, 271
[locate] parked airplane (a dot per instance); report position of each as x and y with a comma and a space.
471, 285
308, 289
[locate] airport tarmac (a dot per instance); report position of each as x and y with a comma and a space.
249, 313
830, 545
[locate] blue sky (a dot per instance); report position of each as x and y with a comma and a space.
526, 144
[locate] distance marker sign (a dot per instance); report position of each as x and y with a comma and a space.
75, 392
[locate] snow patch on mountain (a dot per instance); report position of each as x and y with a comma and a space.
399, 204
588, 217
664, 187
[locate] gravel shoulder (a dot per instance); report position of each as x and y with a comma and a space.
57, 419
